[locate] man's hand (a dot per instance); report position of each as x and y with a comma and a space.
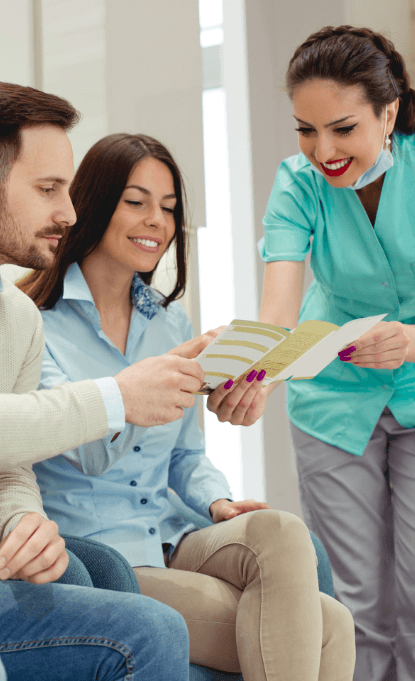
33, 551
242, 404
157, 389
193, 347
385, 346
222, 509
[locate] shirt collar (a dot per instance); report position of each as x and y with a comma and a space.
145, 299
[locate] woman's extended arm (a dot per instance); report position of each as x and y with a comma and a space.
282, 293
245, 403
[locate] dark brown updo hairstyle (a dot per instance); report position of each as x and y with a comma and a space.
95, 192
357, 56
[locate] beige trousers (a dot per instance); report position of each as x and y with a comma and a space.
248, 590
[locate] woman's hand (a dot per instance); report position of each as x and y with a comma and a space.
242, 404
223, 509
33, 551
193, 347
385, 346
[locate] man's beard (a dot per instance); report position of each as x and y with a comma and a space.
13, 249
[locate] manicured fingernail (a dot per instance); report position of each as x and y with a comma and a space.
251, 376
2, 562
345, 359
347, 351
231, 513
261, 375
5, 573
228, 384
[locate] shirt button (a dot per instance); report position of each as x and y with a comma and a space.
137, 449
133, 483
385, 283
152, 530
143, 501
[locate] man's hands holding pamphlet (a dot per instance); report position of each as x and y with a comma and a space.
157, 389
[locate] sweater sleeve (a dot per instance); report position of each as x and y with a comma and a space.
37, 424
19, 494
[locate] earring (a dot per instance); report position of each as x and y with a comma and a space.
387, 142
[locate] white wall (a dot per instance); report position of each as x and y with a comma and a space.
16, 42
154, 86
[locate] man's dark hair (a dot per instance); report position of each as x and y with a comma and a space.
24, 107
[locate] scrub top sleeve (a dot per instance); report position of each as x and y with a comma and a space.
290, 217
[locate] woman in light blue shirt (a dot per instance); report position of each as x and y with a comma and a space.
349, 196
247, 587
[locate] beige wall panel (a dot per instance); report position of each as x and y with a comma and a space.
73, 64
16, 42
154, 81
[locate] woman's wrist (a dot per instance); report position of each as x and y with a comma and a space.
410, 330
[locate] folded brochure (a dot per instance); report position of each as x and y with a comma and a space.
285, 355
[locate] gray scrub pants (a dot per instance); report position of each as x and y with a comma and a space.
363, 510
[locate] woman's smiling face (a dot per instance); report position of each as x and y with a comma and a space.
143, 223
338, 130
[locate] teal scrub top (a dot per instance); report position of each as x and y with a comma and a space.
359, 270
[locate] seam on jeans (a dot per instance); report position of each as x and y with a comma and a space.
70, 641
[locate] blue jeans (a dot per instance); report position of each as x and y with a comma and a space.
58, 632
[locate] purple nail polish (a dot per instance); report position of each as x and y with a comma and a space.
261, 375
345, 359
251, 376
228, 384
347, 351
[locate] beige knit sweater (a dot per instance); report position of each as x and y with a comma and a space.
35, 425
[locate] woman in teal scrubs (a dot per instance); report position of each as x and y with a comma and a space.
350, 197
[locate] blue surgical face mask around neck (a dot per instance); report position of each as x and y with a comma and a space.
383, 162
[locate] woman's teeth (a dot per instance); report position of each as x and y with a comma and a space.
336, 166
145, 242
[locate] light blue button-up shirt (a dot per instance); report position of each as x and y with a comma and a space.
116, 492
359, 271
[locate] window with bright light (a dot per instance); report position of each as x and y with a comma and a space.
223, 443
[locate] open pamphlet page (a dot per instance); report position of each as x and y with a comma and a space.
285, 355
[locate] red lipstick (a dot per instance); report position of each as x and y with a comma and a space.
338, 171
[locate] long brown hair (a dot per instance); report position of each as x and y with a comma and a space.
95, 192
357, 56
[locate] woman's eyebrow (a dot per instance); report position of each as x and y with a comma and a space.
146, 191
327, 125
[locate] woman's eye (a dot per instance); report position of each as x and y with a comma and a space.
304, 131
134, 203
346, 130
169, 210
46, 190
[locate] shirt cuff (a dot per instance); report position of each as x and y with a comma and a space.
114, 404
